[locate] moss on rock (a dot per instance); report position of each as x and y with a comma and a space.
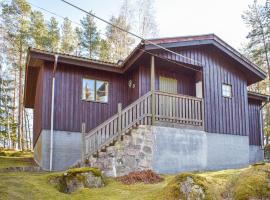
189, 186
78, 178
73, 171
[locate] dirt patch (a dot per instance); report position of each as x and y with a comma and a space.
145, 176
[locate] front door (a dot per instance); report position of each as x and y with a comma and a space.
168, 85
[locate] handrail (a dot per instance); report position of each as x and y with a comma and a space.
172, 108
119, 123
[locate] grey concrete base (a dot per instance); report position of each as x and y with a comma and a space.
178, 150
174, 150
66, 149
256, 154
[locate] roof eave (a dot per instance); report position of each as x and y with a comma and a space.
229, 51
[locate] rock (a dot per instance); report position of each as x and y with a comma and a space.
191, 190
76, 179
147, 149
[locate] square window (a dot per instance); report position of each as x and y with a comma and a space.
95, 90
226, 90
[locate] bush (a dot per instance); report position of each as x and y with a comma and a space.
145, 176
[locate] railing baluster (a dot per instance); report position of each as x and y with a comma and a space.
168, 107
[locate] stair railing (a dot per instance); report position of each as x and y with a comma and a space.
139, 112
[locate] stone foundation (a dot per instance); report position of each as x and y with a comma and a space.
134, 153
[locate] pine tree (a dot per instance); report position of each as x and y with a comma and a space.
68, 37
7, 122
90, 38
258, 49
15, 18
38, 30
79, 49
53, 37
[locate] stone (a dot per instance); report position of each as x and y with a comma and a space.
139, 141
191, 190
147, 149
72, 182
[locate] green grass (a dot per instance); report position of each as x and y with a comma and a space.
240, 184
26, 185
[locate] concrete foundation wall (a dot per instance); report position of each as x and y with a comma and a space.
256, 154
163, 149
66, 149
178, 150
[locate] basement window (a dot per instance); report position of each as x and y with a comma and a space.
226, 90
95, 90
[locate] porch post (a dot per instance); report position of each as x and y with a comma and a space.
83, 144
153, 88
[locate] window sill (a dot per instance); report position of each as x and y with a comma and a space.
92, 101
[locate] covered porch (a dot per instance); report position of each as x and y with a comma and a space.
177, 94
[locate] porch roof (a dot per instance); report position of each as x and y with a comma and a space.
258, 96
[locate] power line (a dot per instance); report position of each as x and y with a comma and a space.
169, 60
55, 14
129, 32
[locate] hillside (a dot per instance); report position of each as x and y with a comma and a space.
251, 182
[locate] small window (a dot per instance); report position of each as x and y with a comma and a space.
95, 90
226, 90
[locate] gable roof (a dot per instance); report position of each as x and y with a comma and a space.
208, 39
144, 47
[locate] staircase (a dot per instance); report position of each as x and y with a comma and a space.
168, 108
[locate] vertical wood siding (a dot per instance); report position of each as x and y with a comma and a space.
70, 109
222, 115
37, 120
186, 82
254, 122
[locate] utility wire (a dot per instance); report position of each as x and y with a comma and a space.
129, 32
166, 59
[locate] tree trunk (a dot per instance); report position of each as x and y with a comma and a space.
20, 145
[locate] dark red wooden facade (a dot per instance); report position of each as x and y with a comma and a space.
222, 115
255, 123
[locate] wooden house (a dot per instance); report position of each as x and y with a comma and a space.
194, 86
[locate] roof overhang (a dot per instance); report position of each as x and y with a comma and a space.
210, 39
258, 96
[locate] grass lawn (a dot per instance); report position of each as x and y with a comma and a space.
34, 185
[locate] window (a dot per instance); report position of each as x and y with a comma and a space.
226, 90
95, 90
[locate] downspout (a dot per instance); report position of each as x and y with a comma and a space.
52, 110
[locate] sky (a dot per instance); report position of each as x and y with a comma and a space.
174, 17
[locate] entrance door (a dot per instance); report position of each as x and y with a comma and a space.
168, 85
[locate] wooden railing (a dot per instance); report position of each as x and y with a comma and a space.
139, 112
180, 109
172, 108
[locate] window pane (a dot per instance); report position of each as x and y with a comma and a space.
102, 91
226, 90
88, 92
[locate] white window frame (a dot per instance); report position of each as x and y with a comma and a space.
95, 90
226, 90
